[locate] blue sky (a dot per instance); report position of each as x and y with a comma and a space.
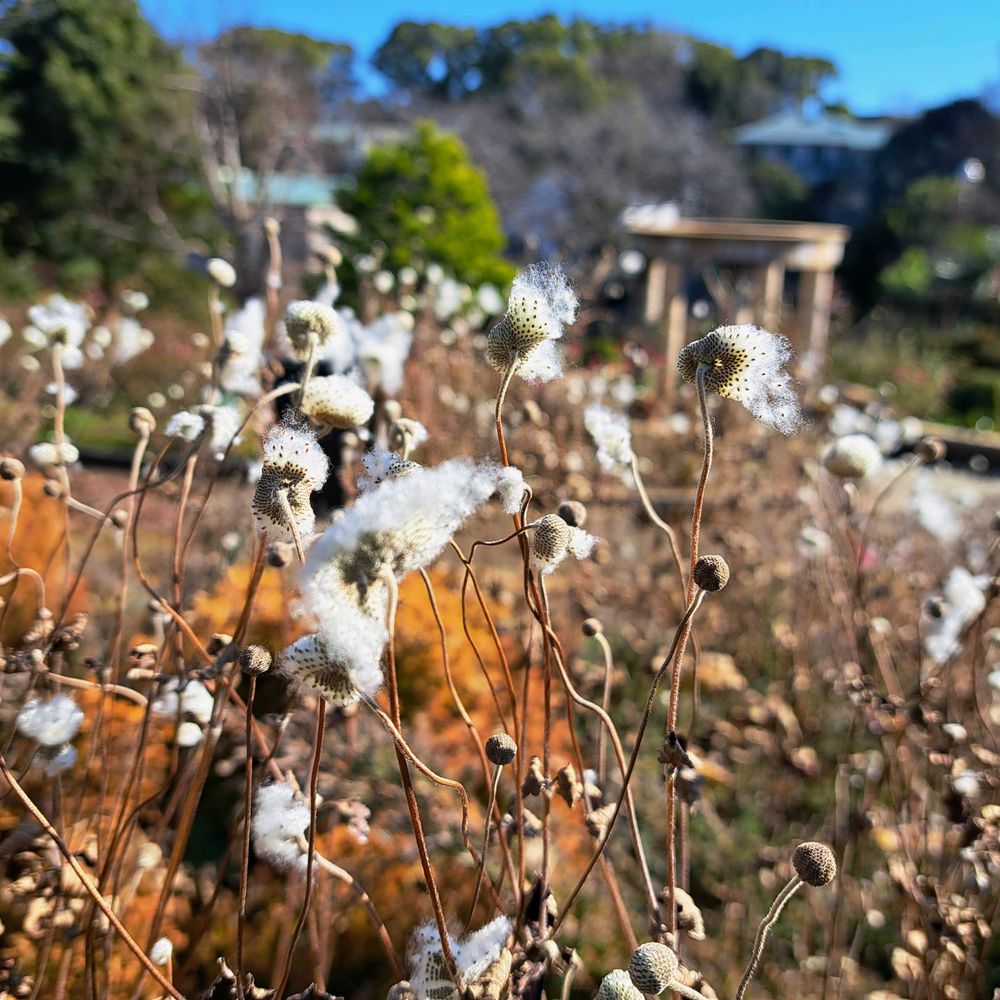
894, 55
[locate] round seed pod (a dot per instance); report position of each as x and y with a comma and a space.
931, 449
652, 968
711, 573
221, 272
141, 421
814, 863
11, 469
119, 518
501, 749
617, 985
591, 627
304, 318
53, 488
255, 660
573, 513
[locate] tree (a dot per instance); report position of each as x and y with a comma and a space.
262, 92
96, 162
425, 200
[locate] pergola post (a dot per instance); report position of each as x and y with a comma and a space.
656, 286
774, 286
675, 326
813, 316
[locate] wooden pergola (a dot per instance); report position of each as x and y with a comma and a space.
763, 253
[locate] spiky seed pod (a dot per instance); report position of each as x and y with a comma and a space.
652, 968
311, 660
573, 513
255, 660
711, 573
11, 469
814, 863
221, 272
501, 749
305, 320
294, 466
552, 535
591, 627
336, 401
852, 456
141, 421
746, 364
617, 985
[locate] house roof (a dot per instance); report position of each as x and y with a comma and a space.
792, 128
288, 189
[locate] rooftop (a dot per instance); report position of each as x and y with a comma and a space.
288, 189
793, 128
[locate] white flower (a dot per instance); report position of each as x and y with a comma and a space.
50, 723
746, 364
553, 539
194, 699
852, 456
279, 820
336, 401
964, 599
186, 425
611, 434
341, 681
541, 303
511, 487
473, 953
60, 320
294, 467
47, 454
221, 272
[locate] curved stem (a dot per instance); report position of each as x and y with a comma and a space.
241, 914
657, 520
770, 919
501, 396
486, 844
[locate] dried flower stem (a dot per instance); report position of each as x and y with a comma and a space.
311, 849
657, 520
241, 913
609, 665
411, 799
770, 919
86, 881
494, 784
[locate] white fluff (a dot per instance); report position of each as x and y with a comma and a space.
223, 423
50, 723
195, 700
474, 954
186, 425
611, 435
241, 356
279, 820
299, 446
965, 598
47, 454
511, 487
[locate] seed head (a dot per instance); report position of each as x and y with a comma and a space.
11, 469
221, 272
652, 968
711, 573
617, 985
255, 660
814, 863
591, 626
746, 364
852, 456
553, 539
573, 513
314, 663
501, 749
305, 320
336, 401
141, 421
931, 449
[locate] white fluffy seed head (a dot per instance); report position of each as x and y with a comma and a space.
541, 304
511, 487
852, 456
221, 272
47, 454
279, 819
381, 465
307, 322
336, 401
617, 985
50, 723
553, 539
611, 435
652, 968
747, 364
335, 677
162, 951
473, 954
294, 467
